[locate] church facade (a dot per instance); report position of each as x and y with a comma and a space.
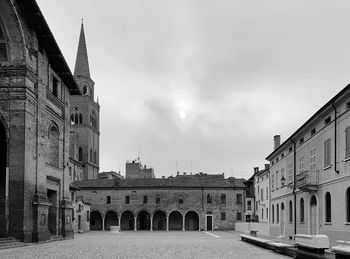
39, 98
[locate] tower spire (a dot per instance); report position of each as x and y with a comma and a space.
82, 61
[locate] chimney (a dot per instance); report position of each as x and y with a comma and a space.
276, 141
267, 166
256, 170
177, 173
163, 177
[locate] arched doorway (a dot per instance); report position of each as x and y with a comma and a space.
191, 221
127, 220
283, 219
313, 215
3, 159
143, 220
159, 220
95, 220
111, 219
175, 220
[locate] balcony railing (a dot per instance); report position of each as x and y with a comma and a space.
308, 180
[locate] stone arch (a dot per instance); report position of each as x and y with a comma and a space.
53, 146
143, 220
96, 220
111, 219
175, 220
159, 220
192, 220
127, 220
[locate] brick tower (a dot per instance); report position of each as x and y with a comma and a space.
85, 114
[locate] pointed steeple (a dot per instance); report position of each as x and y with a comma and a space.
82, 62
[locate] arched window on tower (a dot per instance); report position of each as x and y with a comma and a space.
3, 45
76, 117
93, 122
53, 146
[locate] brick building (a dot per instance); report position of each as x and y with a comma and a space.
135, 169
196, 202
36, 86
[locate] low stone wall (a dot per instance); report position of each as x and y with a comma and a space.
246, 227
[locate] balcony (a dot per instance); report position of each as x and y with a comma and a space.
307, 181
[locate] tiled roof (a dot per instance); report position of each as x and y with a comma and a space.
175, 182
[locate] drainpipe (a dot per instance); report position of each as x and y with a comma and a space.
335, 138
294, 186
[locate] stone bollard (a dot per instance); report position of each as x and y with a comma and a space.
311, 246
342, 250
114, 229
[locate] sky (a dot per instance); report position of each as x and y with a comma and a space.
203, 86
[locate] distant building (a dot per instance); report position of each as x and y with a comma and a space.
262, 195
135, 170
109, 175
197, 202
249, 211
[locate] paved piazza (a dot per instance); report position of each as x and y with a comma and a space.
145, 245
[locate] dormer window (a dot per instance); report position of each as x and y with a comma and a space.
85, 90
301, 141
3, 45
327, 120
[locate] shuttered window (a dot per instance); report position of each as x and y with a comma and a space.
301, 210
327, 153
348, 205
328, 206
347, 143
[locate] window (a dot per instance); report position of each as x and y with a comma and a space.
145, 199
80, 154
93, 121
70, 173
108, 199
267, 213
209, 200
85, 90
273, 182
301, 141
328, 206
282, 174
290, 173
290, 149
53, 146
347, 143
262, 213
223, 198
278, 180
95, 157
181, 200
127, 199
347, 105
157, 200
223, 216
290, 212
239, 216
277, 159
302, 210
313, 131
327, 120
301, 164
278, 214
239, 199
313, 159
90, 155
88, 216
348, 205
249, 205
262, 194
282, 155
72, 196
273, 213
3, 45
267, 193
55, 86
327, 153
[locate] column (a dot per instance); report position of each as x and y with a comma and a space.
167, 222
103, 222
151, 223
119, 222
135, 223
183, 223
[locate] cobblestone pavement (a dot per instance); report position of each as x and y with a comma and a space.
145, 245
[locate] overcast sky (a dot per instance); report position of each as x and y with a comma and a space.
207, 81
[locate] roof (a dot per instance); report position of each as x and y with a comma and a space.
322, 109
175, 182
34, 17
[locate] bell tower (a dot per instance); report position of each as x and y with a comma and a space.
87, 126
